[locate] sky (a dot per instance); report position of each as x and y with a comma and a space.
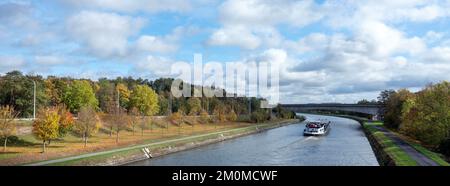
328, 50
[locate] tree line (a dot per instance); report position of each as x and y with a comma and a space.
119, 104
423, 115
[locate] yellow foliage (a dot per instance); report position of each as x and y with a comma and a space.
46, 125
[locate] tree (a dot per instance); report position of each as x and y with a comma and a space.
176, 118
143, 123
66, 120
163, 105
232, 116
204, 117
54, 89
385, 95
80, 94
145, 100
87, 123
118, 121
134, 118
394, 106
194, 105
7, 124
106, 94
426, 116
219, 113
124, 95
16, 90
46, 125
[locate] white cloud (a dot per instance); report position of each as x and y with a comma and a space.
261, 12
251, 24
104, 34
235, 35
164, 44
151, 6
155, 44
9, 63
49, 60
154, 66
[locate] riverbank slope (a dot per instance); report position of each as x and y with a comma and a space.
161, 147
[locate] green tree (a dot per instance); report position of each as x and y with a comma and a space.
145, 100
163, 105
394, 106
17, 91
124, 95
80, 94
106, 94
426, 116
45, 127
194, 105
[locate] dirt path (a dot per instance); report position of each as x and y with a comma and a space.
421, 159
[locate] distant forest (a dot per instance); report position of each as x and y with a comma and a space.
17, 91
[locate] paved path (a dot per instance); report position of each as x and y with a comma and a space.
132, 147
421, 159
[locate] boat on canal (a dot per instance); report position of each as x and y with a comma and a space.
316, 128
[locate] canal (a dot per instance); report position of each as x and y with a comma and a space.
345, 144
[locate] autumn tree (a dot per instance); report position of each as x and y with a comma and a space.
119, 120
66, 120
204, 117
219, 113
7, 124
46, 125
143, 121
87, 124
145, 100
134, 119
232, 116
176, 118
80, 94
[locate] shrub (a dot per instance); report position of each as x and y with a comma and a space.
232, 116
204, 117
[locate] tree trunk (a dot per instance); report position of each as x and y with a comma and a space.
43, 146
133, 129
110, 131
117, 137
4, 146
84, 139
142, 132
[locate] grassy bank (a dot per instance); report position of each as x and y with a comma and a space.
163, 146
388, 153
400, 157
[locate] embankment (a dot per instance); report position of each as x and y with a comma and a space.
160, 148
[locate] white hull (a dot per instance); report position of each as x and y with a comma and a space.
317, 131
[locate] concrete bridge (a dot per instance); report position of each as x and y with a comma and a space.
370, 109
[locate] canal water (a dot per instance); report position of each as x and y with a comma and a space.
345, 145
